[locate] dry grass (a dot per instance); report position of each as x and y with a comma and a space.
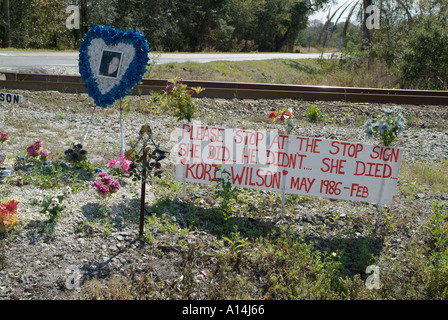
326, 72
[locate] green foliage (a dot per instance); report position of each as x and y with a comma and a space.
190, 25
225, 190
177, 100
419, 68
314, 114
438, 228
53, 204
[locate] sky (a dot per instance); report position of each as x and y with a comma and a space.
323, 14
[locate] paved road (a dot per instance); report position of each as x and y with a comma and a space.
16, 61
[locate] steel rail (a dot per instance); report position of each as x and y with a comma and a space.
75, 84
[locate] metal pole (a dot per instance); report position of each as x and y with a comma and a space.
143, 191
380, 209
86, 130
121, 129
284, 182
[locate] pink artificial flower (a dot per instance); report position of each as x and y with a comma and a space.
96, 184
190, 92
125, 164
38, 143
102, 174
44, 152
114, 185
4, 137
107, 180
103, 190
32, 150
113, 163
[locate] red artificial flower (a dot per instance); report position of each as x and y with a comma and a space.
169, 87
273, 114
12, 205
287, 113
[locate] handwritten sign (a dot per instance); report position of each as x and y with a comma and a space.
271, 161
11, 98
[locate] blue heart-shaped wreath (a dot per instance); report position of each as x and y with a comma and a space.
132, 75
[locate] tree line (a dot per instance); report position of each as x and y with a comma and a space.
411, 43
169, 25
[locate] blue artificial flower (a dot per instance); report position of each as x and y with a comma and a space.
46, 163
367, 128
133, 74
400, 124
63, 165
97, 170
382, 126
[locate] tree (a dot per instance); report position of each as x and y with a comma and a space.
5, 22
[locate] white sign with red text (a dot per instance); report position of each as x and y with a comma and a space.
308, 166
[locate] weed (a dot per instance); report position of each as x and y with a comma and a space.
225, 190
314, 114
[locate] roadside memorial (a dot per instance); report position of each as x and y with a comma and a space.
268, 160
111, 63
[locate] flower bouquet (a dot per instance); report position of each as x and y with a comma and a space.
106, 186
76, 155
4, 137
282, 116
387, 126
8, 215
35, 151
53, 205
120, 165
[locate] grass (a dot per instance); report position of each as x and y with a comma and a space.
325, 72
417, 175
246, 255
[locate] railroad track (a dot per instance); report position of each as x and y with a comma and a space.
75, 84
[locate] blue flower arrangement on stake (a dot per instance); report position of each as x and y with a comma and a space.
105, 49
